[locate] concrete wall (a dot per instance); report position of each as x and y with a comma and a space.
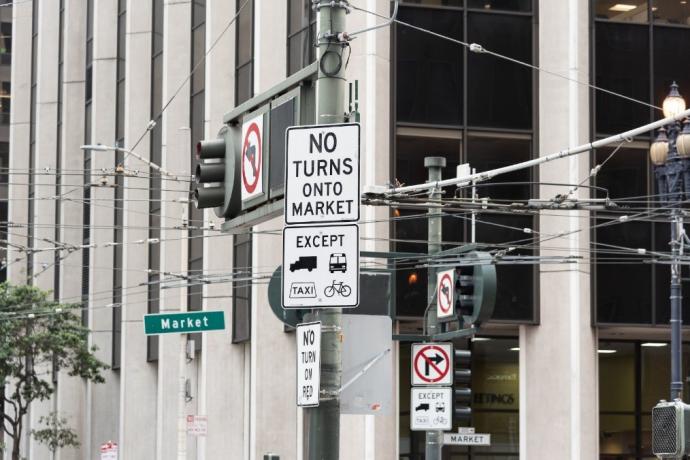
564, 345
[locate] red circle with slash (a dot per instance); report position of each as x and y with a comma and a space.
444, 308
256, 164
431, 364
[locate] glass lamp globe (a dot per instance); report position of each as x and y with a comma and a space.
683, 140
674, 102
658, 153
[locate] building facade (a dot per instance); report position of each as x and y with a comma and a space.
576, 354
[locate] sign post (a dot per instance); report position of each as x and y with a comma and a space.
308, 364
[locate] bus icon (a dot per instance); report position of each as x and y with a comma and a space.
337, 263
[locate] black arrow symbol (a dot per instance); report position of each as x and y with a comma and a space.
437, 359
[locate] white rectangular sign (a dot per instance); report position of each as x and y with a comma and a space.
109, 451
320, 266
197, 425
308, 364
445, 287
431, 409
460, 439
251, 163
432, 363
322, 173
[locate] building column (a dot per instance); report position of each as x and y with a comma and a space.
370, 63
19, 156
558, 358
137, 376
103, 404
221, 386
172, 373
71, 392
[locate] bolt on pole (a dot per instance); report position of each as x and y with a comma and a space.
324, 420
434, 439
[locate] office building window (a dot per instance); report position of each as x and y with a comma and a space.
118, 213
637, 58
301, 35
633, 377
155, 181
5, 102
6, 43
244, 52
86, 215
242, 288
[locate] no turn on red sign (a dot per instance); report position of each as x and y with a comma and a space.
432, 364
251, 164
445, 285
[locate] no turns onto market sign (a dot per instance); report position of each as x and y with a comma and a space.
322, 174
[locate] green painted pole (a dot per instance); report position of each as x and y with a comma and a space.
324, 421
435, 165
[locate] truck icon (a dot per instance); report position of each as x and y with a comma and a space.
337, 262
304, 263
422, 406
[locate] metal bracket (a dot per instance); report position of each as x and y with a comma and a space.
457, 334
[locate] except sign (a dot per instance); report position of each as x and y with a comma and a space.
444, 294
252, 158
431, 409
320, 266
461, 439
322, 174
431, 364
308, 364
185, 322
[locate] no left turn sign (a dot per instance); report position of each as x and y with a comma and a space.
252, 158
431, 364
445, 284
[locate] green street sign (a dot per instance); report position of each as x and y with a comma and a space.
184, 323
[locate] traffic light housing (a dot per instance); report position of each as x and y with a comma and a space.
217, 174
462, 385
671, 429
475, 288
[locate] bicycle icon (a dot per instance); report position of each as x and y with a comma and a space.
340, 288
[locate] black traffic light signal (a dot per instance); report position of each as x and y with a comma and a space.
216, 173
462, 385
475, 289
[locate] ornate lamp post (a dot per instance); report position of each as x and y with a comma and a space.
670, 154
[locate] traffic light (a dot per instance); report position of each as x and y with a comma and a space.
475, 289
462, 385
671, 429
217, 175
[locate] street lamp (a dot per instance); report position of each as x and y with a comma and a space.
105, 148
670, 154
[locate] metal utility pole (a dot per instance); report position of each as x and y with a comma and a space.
434, 439
324, 420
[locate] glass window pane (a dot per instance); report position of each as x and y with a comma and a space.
300, 11
621, 66
622, 10
512, 5
496, 395
617, 435
656, 374
671, 12
198, 51
241, 289
198, 12
429, 70
158, 25
244, 84
299, 51
244, 33
496, 84
616, 377
669, 66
